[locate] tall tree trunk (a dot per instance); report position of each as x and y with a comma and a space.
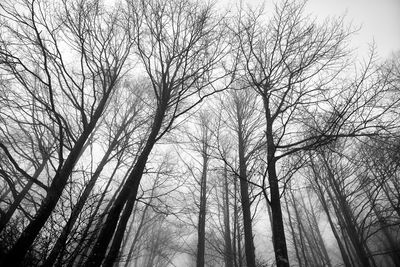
239, 244
228, 255
201, 228
269, 215
278, 230
235, 224
279, 239
244, 194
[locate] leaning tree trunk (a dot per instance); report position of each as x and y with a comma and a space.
81, 203
119, 233
136, 237
316, 180
344, 209
17, 201
16, 255
129, 190
90, 229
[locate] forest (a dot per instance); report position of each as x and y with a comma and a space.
178, 133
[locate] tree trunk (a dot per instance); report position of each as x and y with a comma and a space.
279, 239
129, 190
16, 255
235, 224
136, 237
318, 236
227, 233
85, 242
244, 194
394, 246
303, 246
201, 234
351, 227
342, 249
278, 230
293, 234
239, 245
79, 206
119, 234
17, 201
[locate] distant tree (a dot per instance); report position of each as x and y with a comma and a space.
337, 176
201, 140
307, 238
245, 120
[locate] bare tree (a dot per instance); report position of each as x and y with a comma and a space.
34, 56
295, 66
124, 130
180, 62
336, 174
245, 121
202, 145
306, 235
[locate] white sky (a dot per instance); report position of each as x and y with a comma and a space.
380, 19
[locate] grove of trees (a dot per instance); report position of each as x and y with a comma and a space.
177, 133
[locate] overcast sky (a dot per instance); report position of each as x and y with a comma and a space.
380, 19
